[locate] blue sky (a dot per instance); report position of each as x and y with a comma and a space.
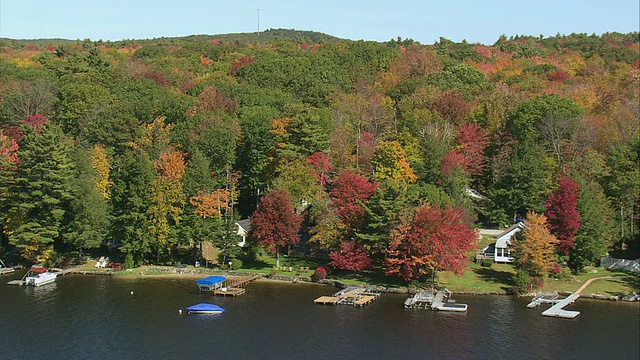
481, 21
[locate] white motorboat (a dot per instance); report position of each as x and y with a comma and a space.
38, 276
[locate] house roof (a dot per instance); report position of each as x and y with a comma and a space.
504, 239
245, 224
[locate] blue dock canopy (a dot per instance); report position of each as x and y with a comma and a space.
211, 280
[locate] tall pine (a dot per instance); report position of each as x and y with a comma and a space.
41, 189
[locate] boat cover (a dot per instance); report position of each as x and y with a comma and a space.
211, 280
205, 307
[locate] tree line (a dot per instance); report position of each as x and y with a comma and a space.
383, 154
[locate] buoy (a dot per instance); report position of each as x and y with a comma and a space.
132, 293
180, 311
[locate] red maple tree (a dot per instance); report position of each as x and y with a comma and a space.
348, 195
274, 224
351, 256
433, 240
321, 166
468, 152
563, 216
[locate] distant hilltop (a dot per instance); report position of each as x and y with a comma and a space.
266, 36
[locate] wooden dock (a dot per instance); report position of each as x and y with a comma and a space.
349, 296
235, 287
326, 300
229, 291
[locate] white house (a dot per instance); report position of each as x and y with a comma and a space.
244, 226
502, 251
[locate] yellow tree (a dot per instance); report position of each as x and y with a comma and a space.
534, 250
390, 162
167, 198
208, 205
100, 163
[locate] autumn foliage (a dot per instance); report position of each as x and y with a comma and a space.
274, 224
209, 205
563, 217
533, 249
351, 256
433, 240
350, 192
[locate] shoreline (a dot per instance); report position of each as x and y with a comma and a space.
161, 272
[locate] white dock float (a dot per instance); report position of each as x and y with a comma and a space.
557, 309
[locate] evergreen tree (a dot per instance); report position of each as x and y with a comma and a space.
87, 220
597, 227
41, 189
132, 178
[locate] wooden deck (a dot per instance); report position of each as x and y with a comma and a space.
349, 296
324, 300
235, 287
229, 291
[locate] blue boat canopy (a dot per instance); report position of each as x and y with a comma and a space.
205, 307
211, 280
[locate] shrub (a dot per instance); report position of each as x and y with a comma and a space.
521, 279
128, 262
320, 273
236, 264
561, 273
487, 262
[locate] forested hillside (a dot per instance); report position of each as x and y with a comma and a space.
362, 149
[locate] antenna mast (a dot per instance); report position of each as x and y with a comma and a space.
258, 22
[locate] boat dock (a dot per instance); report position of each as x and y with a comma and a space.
235, 287
350, 296
422, 299
4, 269
556, 310
441, 300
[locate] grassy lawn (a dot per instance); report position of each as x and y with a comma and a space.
622, 283
496, 279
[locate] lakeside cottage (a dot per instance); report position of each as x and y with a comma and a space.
244, 226
500, 251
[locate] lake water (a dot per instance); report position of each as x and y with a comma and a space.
97, 317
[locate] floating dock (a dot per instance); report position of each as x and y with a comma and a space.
556, 310
441, 300
350, 296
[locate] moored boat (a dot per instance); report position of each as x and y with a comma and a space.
38, 276
205, 308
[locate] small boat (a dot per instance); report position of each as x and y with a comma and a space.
205, 308
38, 276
